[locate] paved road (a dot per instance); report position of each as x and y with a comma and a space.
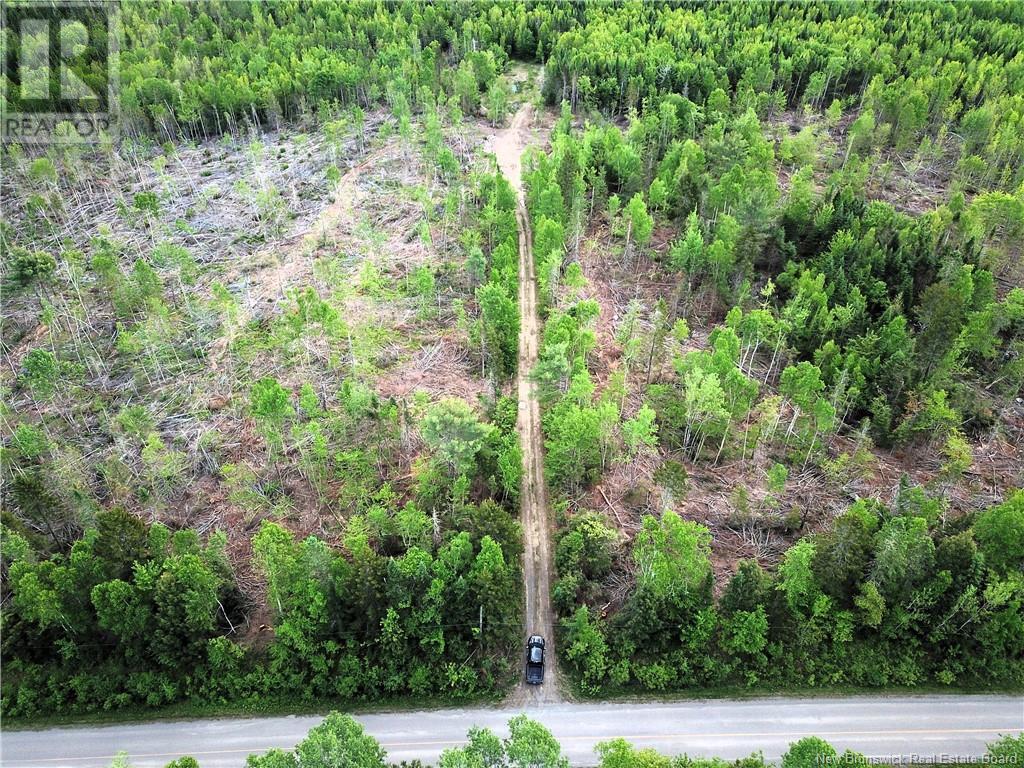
883, 726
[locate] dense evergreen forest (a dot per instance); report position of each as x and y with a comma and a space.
259, 421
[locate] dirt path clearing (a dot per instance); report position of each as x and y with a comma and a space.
538, 568
288, 262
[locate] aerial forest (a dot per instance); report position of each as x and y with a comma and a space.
258, 432
781, 363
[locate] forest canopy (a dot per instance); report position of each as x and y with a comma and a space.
263, 355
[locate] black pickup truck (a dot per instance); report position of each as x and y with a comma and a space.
535, 660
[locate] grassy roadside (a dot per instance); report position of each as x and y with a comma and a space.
257, 708
263, 708
624, 695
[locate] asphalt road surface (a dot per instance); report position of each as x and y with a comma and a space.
955, 726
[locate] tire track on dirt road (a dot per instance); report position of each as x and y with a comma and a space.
538, 569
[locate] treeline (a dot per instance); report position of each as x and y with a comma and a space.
188, 68
341, 740
922, 71
889, 596
422, 598
194, 69
197, 68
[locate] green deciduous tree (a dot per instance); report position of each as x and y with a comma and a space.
338, 741
1000, 534
640, 431
618, 753
672, 553
531, 745
808, 752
